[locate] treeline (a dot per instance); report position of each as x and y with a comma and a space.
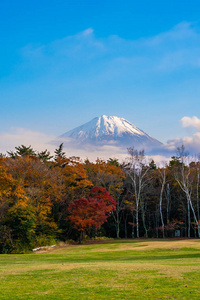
46, 198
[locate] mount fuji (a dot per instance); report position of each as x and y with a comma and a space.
111, 130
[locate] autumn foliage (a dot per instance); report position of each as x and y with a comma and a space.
93, 210
38, 198
45, 198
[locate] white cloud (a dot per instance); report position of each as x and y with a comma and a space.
20, 136
191, 143
92, 152
191, 122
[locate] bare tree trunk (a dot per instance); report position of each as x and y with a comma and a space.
133, 233
188, 210
145, 228
117, 222
138, 175
125, 226
143, 218
163, 177
117, 218
185, 223
137, 218
156, 225
198, 193
168, 199
81, 237
195, 218
189, 205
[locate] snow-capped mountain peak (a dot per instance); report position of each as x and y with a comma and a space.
106, 129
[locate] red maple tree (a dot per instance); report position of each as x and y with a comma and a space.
93, 210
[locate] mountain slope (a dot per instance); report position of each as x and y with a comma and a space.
111, 129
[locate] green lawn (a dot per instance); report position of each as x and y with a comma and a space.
131, 269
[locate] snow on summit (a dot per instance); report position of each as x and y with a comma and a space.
116, 126
111, 129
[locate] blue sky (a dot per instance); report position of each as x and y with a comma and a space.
66, 62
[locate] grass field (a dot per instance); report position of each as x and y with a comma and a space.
131, 269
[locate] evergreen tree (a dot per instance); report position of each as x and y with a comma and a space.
59, 153
152, 165
44, 155
22, 151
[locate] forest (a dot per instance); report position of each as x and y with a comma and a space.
45, 199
